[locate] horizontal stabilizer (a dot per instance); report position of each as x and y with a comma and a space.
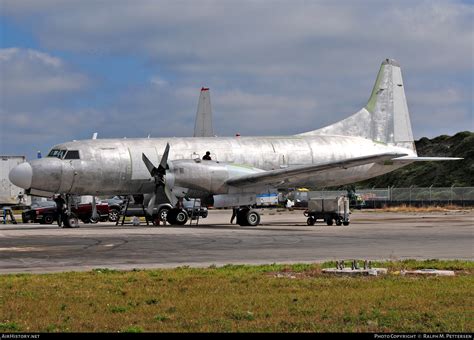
276, 177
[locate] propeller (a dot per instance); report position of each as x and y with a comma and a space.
159, 173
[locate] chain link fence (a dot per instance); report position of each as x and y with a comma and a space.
376, 197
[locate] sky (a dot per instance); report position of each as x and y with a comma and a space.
135, 68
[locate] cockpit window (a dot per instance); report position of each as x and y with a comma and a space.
57, 153
72, 154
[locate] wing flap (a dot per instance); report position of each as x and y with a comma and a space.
273, 177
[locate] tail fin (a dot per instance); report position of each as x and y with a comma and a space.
203, 125
385, 118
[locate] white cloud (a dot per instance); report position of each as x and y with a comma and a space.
259, 37
33, 88
274, 67
30, 74
158, 81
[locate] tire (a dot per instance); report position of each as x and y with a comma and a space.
310, 221
242, 216
253, 218
114, 215
71, 221
163, 213
329, 221
94, 220
345, 223
338, 222
181, 217
48, 219
171, 216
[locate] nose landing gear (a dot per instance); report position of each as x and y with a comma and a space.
66, 218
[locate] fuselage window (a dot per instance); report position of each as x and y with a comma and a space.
72, 154
57, 153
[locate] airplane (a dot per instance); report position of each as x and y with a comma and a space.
375, 140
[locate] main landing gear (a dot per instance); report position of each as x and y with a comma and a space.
248, 217
177, 216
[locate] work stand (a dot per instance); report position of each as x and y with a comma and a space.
193, 212
123, 212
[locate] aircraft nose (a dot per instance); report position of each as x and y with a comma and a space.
21, 175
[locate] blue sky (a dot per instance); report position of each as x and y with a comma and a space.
123, 68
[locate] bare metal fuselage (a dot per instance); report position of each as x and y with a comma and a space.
115, 166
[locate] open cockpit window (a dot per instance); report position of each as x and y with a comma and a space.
57, 153
72, 154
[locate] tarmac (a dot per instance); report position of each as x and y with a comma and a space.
283, 237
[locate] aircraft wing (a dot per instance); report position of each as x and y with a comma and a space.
410, 159
279, 176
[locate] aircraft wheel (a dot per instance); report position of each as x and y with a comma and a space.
310, 221
242, 216
71, 221
171, 216
181, 217
252, 218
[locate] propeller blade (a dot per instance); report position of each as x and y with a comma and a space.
164, 160
149, 165
160, 179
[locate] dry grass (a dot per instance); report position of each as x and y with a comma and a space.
408, 208
238, 298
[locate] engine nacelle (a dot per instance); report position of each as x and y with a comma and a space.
204, 176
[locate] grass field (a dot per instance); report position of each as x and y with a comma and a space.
270, 298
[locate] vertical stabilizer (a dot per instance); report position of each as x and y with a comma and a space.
385, 118
203, 124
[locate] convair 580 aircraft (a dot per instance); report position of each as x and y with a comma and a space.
376, 140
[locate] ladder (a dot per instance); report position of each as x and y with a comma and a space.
192, 212
124, 211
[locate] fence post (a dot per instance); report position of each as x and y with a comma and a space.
409, 196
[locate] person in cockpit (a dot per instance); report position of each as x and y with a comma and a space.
207, 156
